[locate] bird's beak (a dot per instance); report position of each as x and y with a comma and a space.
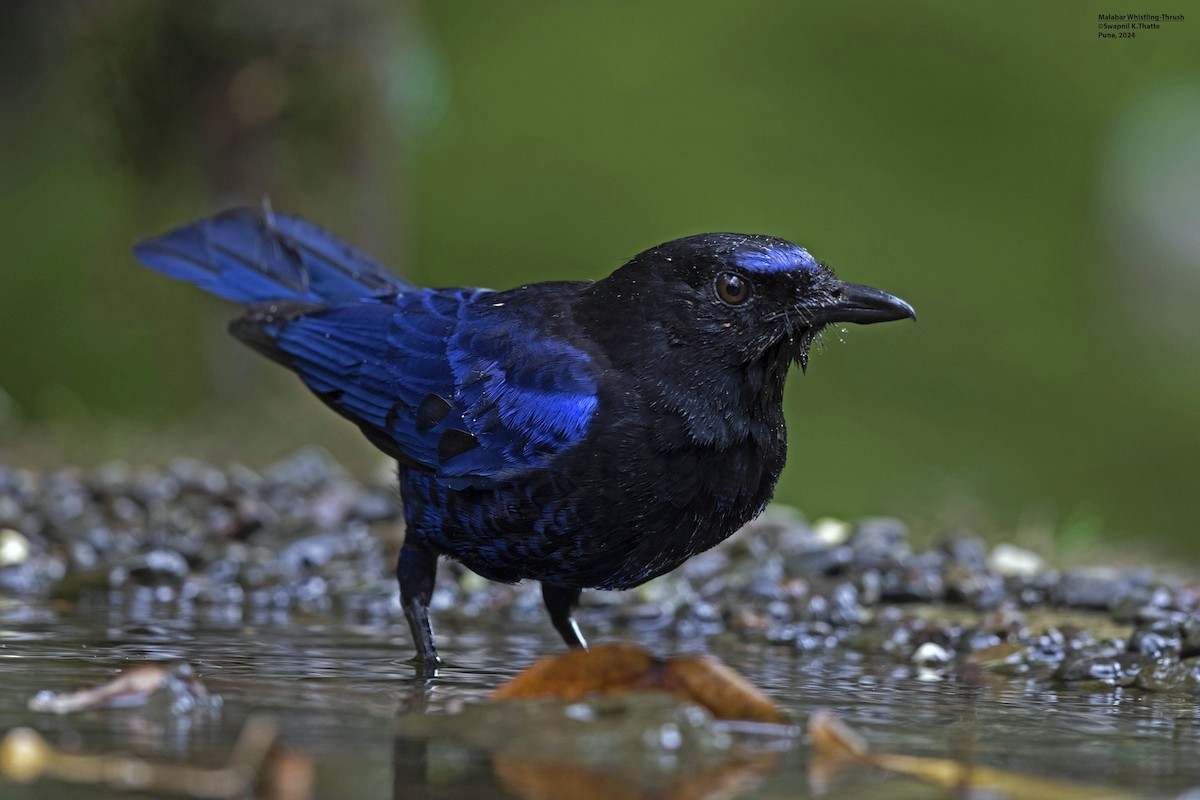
853, 302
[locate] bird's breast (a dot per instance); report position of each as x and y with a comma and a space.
677, 484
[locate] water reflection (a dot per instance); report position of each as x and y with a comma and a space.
615, 747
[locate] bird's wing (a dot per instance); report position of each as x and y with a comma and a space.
442, 380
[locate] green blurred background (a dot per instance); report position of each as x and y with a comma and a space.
1032, 190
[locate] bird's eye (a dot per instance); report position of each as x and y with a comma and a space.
733, 288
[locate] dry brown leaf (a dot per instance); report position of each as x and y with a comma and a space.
713, 684
623, 667
575, 673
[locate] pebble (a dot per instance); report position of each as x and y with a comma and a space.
931, 654
14, 547
1010, 561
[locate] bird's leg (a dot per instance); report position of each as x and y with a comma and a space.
560, 602
416, 570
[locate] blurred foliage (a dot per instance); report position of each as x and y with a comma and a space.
993, 166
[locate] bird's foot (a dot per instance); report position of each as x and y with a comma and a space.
426, 665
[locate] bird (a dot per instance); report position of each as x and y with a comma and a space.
582, 434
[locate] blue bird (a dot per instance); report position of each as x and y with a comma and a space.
581, 434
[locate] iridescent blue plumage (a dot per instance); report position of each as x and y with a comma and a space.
257, 257
383, 353
756, 257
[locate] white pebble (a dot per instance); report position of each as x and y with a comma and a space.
1015, 562
14, 547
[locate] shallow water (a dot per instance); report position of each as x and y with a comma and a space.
337, 690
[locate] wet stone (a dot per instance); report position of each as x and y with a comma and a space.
1170, 676
82, 555
1102, 664
701, 619
14, 547
1153, 644
377, 601
911, 584
1049, 648
1102, 667
844, 608
819, 561
1032, 590
804, 636
936, 632
376, 505
1010, 561
1092, 589
306, 470
153, 488
11, 510
983, 590
114, 478
879, 540
870, 588
155, 568
816, 609
309, 594
1190, 632
195, 476
213, 593
780, 610
1137, 602
35, 575
932, 654
122, 510
1129, 607
998, 655
1131, 665
649, 616
311, 552
966, 551
975, 639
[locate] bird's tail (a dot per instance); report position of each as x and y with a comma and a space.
255, 257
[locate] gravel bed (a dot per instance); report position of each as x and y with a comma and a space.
304, 538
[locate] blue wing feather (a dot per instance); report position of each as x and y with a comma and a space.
526, 394
506, 395
523, 398
253, 257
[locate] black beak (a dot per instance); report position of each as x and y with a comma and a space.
853, 302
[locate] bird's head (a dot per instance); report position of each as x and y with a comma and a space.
740, 297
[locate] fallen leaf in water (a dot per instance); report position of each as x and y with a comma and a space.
575, 673
836, 745
622, 667
130, 687
707, 681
